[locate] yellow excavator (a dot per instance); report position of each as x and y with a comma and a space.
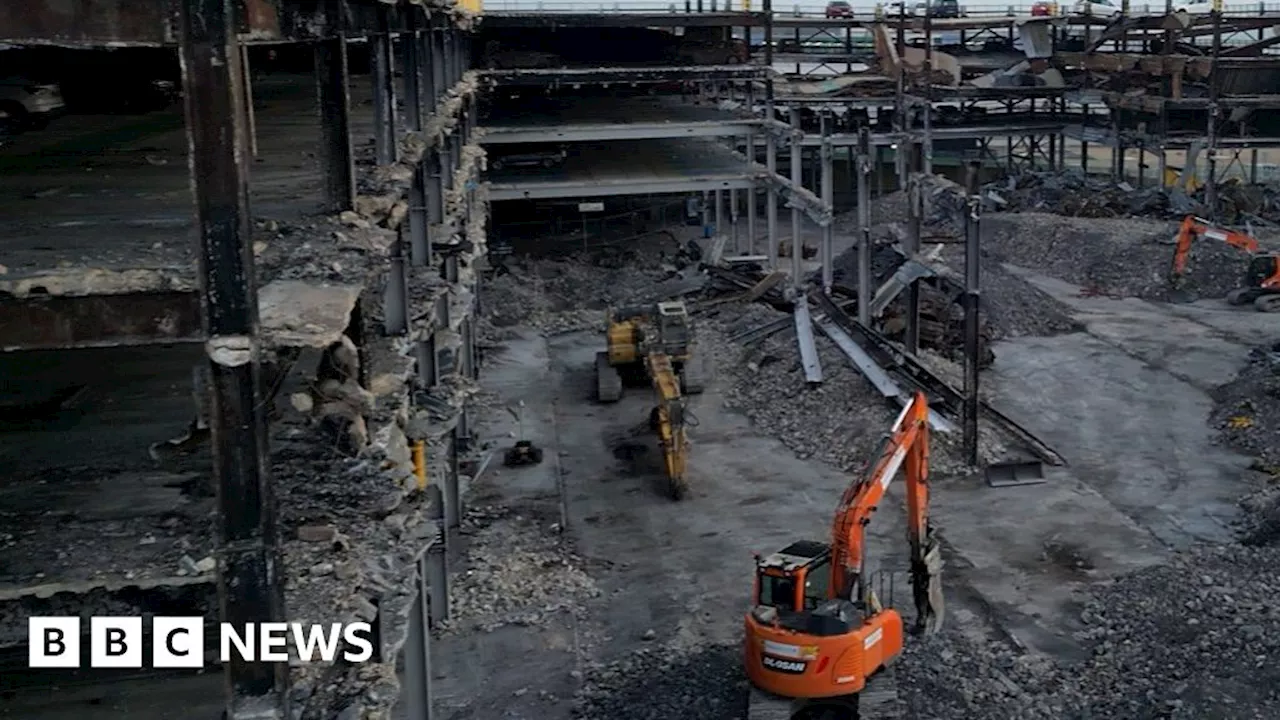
654, 344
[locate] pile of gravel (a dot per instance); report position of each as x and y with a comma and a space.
662, 683
519, 571
1127, 258
1188, 640
1247, 410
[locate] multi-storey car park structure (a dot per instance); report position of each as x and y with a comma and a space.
321, 296
320, 307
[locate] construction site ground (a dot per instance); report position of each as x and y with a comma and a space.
610, 601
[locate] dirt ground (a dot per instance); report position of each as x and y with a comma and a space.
633, 606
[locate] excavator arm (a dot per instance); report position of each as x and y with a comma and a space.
1193, 227
906, 447
668, 420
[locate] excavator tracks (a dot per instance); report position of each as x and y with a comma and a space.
879, 700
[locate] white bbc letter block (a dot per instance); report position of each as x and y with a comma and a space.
177, 642
115, 642
53, 642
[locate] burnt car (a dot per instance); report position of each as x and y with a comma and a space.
524, 157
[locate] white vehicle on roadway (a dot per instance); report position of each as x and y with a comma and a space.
29, 103
1139, 8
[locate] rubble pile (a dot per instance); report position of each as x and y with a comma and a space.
1123, 258
837, 422
1074, 194
1248, 420
1188, 639
558, 295
519, 570
660, 683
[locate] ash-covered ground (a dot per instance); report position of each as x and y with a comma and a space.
1189, 639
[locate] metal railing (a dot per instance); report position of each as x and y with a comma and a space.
816, 11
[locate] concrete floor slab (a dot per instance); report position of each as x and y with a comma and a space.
93, 195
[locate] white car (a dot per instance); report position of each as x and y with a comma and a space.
29, 103
1138, 8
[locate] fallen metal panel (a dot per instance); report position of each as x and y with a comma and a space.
874, 373
613, 131
594, 188
65, 322
808, 350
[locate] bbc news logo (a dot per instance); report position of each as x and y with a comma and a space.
178, 642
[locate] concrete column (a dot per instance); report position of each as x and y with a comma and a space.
771, 206
435, 562
797, 175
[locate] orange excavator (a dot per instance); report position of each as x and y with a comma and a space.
816, 629
1262, 279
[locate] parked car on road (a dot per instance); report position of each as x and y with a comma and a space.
28, 103
1044, 9
1111, 8
839, 9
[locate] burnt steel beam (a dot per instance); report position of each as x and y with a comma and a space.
333, 84
249, 584
623, 75
62, 322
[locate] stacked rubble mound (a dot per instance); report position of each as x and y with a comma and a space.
1248, 417
663, 683
1123, 258
1189, 640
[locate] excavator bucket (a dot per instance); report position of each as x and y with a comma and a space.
1009, 474
926, 588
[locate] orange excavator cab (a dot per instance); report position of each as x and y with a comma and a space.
815, 629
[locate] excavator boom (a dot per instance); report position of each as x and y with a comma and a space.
668, 420
815, 630
1193, 227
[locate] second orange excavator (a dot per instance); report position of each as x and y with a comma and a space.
1262, 280
816, 629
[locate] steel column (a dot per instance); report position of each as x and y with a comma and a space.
426, 66
415, 697
797, 175
450, 61
434, 174
771, 194
864, 225
971, 301
435, 561
911, 158
428, 366
719, 200
452, 497
438, 64
395, 300
384, 93
751, 198
828, 197
337, 163
733, 220
412, 70
249, 589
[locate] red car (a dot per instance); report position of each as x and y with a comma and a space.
839, 9
1042, 9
